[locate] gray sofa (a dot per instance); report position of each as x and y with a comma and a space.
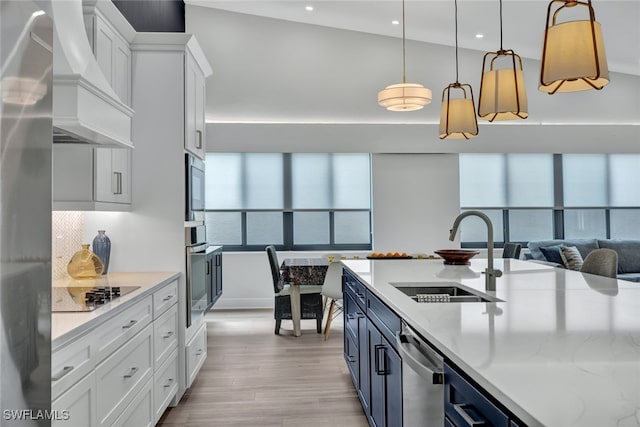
628, 253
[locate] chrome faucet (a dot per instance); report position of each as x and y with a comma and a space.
490, 272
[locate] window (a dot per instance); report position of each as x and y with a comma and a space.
546, 196
295, 201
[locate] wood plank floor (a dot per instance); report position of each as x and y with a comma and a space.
253, 377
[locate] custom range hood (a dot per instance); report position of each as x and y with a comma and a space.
85, 107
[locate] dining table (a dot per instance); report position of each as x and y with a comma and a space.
298, 272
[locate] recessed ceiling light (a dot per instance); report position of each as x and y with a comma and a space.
479, 35
395, 22
309, 8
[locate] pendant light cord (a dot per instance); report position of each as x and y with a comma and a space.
501, 26
456, 26
404, 75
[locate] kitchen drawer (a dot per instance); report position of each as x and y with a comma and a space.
196, 353
165, 298
165, 336
383, 317
357, 288
122, 375
77, 405
351, 313
165, 385
464, 404
351, 357
70, 363
117, 330
140, 412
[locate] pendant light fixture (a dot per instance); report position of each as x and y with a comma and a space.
404, 96
573, 54
503, 95
458, 115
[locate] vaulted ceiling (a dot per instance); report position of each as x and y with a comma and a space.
433, 21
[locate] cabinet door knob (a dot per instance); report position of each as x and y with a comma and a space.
168, 335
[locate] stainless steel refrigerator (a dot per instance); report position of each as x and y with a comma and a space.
26, 34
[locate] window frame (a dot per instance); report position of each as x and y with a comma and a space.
558, 210
288, 218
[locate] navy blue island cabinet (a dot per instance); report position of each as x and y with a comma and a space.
370, 329
466, 404
370, 353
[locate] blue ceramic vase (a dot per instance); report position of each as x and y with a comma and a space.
102, 248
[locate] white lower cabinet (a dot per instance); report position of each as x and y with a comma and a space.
165, 384
77, 406
196, 353
165, 336
124, 371
122, 374
140, 412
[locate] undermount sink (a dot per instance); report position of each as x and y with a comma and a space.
435, 292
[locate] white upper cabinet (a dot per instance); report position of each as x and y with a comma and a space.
171, 67
109, 35
113, 175
87, 178
194, 107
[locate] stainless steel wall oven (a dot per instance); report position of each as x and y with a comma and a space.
198, 260
194, 194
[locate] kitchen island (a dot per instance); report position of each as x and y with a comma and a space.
562, 349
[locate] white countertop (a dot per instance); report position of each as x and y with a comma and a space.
67, 326
563, 349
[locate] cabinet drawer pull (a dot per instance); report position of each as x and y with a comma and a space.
199, 352
351, 359
351, 316
380, 355
118, 183
130, 324
461, 410
169, 382
131, 373
360, 315
167, 298
62, 373
199, 139
168, 335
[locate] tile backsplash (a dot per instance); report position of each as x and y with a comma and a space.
66, 240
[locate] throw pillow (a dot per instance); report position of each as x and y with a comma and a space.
571, 257
552, 254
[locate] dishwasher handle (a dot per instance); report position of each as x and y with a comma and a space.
412, 352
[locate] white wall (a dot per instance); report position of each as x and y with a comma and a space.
415, 200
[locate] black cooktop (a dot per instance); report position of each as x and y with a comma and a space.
77, 298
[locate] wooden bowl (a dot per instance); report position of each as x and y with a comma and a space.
457, 256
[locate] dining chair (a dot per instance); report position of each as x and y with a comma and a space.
310, 296
332, 291
511, 250
602, 262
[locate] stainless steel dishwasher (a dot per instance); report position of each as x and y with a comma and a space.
422, 381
